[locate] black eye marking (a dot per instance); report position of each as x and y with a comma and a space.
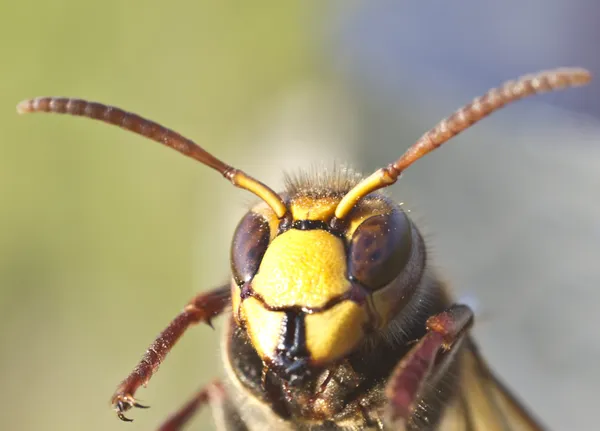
287, 224
310, 225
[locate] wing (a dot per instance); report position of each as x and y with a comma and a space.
483, 402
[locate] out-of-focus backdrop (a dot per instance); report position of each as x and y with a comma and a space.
104, 236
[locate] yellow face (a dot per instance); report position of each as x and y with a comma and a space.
308, 294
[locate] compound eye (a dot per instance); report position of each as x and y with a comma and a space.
250, 243
380, 248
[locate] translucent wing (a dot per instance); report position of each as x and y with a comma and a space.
484, 403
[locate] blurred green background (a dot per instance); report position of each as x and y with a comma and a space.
105, 236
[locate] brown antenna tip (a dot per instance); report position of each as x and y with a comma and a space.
24, 107
491, 101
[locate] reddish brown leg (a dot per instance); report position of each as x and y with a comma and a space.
445, 330
202, 308
178, 419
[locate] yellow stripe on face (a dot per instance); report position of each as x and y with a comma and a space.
302, 268
263, 327
334, 333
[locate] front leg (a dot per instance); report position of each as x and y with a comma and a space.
430, 355
201, 308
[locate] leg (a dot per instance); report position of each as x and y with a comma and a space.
213, 393
425, 360
202, 308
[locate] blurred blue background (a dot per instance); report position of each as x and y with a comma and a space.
105, 236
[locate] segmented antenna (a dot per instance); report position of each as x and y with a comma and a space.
156, 132
461, 120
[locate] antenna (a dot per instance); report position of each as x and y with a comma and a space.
142, 126
460, 120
